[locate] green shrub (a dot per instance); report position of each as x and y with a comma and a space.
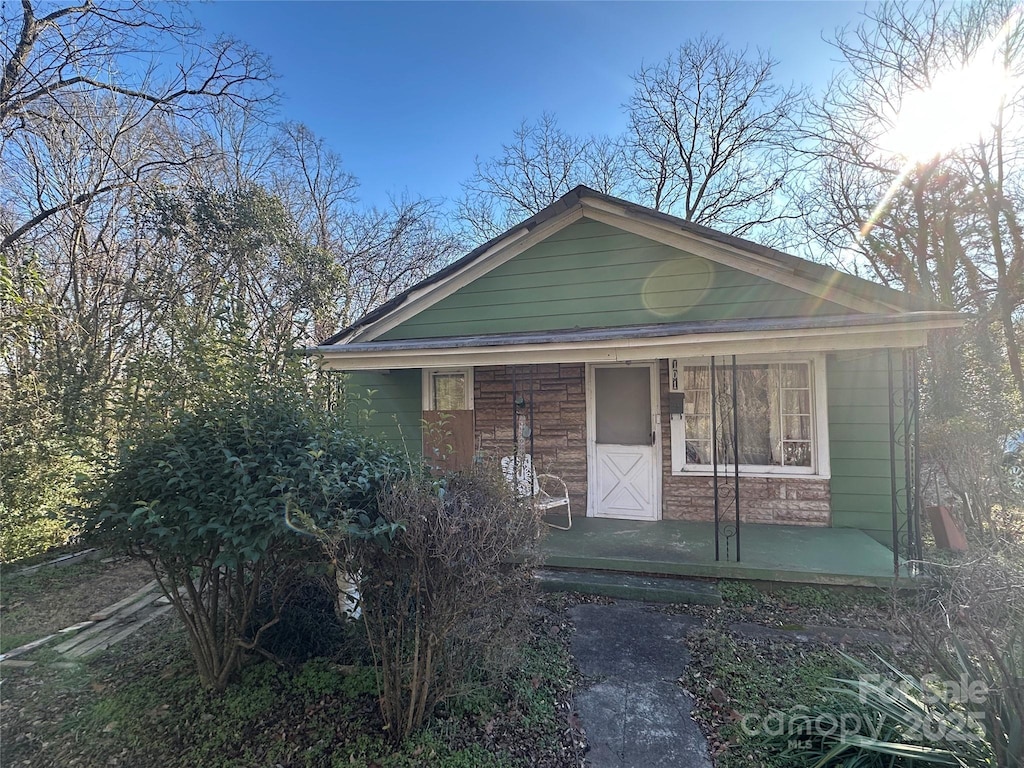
888, 720
37, 489
968, 712
213, 499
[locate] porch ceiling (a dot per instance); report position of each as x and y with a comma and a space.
784, 553
740, 336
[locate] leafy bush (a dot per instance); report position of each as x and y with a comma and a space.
448, 593
210, 499
37, 488
38, 462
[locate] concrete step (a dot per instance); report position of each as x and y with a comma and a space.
630, 587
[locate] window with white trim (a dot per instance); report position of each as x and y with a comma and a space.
775, 414
448, 389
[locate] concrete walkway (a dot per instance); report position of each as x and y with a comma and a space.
634, 712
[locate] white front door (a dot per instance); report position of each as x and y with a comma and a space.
623, 441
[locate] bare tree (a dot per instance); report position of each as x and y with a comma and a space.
148, 186
147, 59
541, 164
313, 178
387, 250
236, 145
378, 251
94, 271
711, 137
945, 224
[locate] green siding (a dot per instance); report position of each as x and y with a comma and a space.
389, 405
858, 407
591, 275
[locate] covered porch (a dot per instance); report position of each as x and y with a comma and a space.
779, 553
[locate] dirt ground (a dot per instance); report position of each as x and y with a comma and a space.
51, 598
137, 704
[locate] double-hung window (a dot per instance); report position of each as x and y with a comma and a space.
775, 419
448, 389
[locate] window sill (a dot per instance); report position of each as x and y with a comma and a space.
755, 473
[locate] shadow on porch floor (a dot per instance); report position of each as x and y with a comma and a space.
786, 553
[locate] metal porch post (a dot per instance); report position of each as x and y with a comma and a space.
714, 448
911, 437
736, 453
916, 388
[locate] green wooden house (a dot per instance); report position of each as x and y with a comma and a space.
714, 407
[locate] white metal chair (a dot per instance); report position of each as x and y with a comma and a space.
525, 482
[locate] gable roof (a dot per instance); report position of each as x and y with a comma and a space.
855, 293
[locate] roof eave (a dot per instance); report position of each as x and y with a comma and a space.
908, 333
564, 205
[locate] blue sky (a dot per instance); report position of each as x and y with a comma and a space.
410, 93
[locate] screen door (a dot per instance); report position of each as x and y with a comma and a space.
624, 441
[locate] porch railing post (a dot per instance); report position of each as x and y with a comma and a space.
714, 447
908, 458
736, 453
516, 458
533, 456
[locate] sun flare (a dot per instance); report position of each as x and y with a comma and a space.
960, 106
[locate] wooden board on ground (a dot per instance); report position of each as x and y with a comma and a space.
26, 647
110, 610
116, 634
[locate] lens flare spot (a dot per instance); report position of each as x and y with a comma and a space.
675, 287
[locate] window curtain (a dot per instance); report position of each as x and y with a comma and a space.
697, 414
773, 414
754, 396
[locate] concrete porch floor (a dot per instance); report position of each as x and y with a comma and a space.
787, 553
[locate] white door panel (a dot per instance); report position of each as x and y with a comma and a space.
625, 480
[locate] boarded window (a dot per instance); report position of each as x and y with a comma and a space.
449, 391
448, 440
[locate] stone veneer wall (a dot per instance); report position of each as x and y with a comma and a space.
786, 500
559, 420
560, 447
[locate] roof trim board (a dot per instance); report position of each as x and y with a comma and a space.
785, 335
